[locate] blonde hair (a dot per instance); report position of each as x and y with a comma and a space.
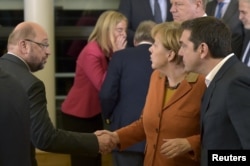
104, 28
170, 33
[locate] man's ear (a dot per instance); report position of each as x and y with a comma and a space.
203, 50
23, 47
199, 3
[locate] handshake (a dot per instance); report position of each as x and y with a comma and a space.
107, 140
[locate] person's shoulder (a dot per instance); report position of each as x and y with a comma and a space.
92, 45
3, 75
93, 48
157, 73
123, 52
194, 77
7, 80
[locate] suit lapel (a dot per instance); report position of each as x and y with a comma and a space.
161, 91
209, 91
183, 89
218, 76
246, 40
233, 6
169, 14
205, 102
146, 6
211, 8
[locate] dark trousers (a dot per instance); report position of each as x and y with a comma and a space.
87, 125
127, 158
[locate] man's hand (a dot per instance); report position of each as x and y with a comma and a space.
107, 140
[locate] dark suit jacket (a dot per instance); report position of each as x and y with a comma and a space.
231, 18
125, 88
225, 109
43, 134
14, 123
137, 11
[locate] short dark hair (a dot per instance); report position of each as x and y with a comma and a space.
212, 31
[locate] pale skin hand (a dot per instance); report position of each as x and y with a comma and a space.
175, 147
107, 140
120, 43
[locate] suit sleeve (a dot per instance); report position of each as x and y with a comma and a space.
45, 137
196, 147
110, 89
238, 106
131, 134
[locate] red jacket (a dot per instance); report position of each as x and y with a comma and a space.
83, 98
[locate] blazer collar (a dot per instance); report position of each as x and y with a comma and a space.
191, 77
183, 89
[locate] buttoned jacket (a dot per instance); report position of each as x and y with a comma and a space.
180, 118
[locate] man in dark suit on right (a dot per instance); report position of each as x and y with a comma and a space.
225, 111
230, 15
140, 10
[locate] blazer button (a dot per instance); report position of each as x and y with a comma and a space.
107, 121
157, 130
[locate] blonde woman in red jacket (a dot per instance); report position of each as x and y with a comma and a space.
81, 110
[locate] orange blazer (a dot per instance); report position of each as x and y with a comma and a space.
180, 118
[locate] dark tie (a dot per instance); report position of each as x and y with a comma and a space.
157, 10
218, 14
247, 53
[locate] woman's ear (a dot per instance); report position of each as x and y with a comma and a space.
171, 55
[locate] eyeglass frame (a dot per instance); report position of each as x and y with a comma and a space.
42, 45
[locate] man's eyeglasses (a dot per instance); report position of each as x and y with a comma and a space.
42, 45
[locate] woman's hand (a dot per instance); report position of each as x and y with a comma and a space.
175, 147
120, 43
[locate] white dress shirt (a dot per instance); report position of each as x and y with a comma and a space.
215, 70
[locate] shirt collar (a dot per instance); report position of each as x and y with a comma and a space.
20, 59
215, 70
